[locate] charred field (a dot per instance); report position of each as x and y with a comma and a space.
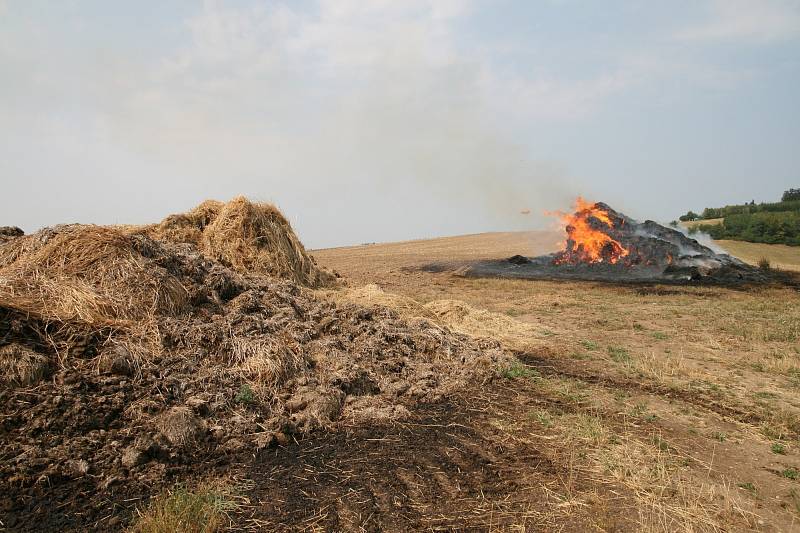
208, 373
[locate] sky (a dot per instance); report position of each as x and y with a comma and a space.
382, 120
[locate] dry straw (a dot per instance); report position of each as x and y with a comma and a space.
85, 274
74, 284
253, 238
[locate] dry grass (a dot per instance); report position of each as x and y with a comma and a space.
251, 237
21, 366
779, 256
88, 274
455, 314
266, 365
372, 295
202, 509
77, 285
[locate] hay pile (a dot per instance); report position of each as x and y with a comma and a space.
132, 359
372, 295
85, 274
454, 314
253, 238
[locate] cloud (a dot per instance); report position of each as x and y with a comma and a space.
748, 20
364, 102
348, 93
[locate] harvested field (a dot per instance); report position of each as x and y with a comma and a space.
683, 396
778, 255
232, 398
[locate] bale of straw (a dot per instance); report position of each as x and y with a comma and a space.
253, 238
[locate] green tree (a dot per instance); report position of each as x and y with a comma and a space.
791, 195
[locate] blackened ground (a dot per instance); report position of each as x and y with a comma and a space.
542, 268
447, 469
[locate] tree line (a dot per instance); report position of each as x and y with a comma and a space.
771, 223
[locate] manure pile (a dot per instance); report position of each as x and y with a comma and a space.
134, 358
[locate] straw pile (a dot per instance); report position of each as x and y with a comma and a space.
253, 238
85, 274
133, 358
454, 314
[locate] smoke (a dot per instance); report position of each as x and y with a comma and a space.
362, 102
703, 238
364, 121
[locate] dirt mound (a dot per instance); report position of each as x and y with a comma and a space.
249, 237
130, 363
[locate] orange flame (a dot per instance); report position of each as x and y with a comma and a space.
589, 244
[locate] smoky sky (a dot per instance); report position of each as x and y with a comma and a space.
382, 120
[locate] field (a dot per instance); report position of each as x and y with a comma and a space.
695, 223
207, 373
779, 255
631, 408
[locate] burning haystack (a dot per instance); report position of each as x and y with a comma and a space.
603, 244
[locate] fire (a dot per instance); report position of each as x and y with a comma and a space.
587, 242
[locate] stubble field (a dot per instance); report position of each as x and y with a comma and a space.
660, 408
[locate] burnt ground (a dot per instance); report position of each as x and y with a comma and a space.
451, 466
449, 469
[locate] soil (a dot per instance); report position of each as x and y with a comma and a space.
253, 363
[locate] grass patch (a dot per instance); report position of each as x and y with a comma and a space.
765, 395
778, 448
589, 345
202, 510
619, 354
543, 417
749, 487
791, 473
518, 370
660, 443
659, 336
718, 435
794, 376
245, 395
